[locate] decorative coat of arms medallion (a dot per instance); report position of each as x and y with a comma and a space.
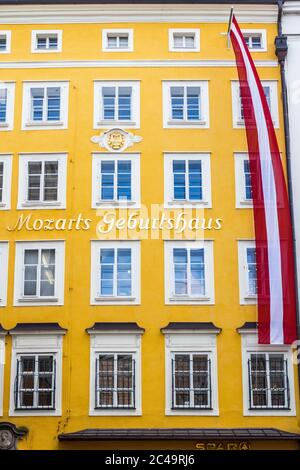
116, 140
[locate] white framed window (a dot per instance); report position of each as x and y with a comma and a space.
115, 272
268, 378
187, 179
184, 40
39, 273
247, 272
45, 105
4, 247
256, 39
117, 103
270, 90
116, 180
5, 42
36, 374
185, 104
42, 181
243, 188
2, 362
5, 181
7, 102
189, 273
115, 373
117, 40
46, 41
191, 373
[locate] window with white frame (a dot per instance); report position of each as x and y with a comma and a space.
5, 42
187, 179
191, 372
7, 98
3, 273
117, 103
5, 181
185, 104
115, 272
46, 41
36, 374
247, 271
189, 276
268, 377
45, 104
270, 90
256, 39
115, 373
42, 181
117, 40
184, 40
39, 273
243, 181
116, 180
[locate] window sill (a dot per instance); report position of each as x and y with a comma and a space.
187, 123
116, 49
187, 201
246, 202
111, 298
184, 49
40, 203
120, 123
45, 51
44, 123
116, 203
4, 124
179, 298
250, 297
38, 299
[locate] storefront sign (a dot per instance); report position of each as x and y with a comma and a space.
223, 446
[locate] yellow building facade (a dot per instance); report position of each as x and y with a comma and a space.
129, 332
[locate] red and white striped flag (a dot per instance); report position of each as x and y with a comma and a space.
272, 221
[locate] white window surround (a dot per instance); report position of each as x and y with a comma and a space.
175, 299
23, 203
190, 342
257, 32
135, 180
7, 34
195, 32
2, 364
46, 32
168, 122
96, 298
4, 249
169, 201
245, 297
237, 121
99, 122
116, 342
5, 204
240, 192
121, 31
28, 123
250, 345
37, 343
58, 298
8, 125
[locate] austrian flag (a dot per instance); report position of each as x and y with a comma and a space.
272, 221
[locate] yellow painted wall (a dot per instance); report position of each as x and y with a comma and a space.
83, 42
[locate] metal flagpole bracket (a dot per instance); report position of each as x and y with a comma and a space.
229, 28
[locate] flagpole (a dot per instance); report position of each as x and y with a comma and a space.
229, 27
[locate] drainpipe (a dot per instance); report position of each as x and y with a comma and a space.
281, 49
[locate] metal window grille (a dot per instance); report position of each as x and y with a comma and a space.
268, 382
115, 382
191, 382
35, 382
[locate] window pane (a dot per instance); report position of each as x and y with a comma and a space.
195, 180
193, 103
107, 256
124, 103
247, 175
190, 41
252, 271
109, 102
177, 102
37, 100
182, 380
197, 272
51, 181
267, 92
41, 42
256, 42
180, 269
53, 42
124, 180
178, 40
124, 272
179, 169
112, 41
123, 41
3, 43
3, 104
53, 112
107, 180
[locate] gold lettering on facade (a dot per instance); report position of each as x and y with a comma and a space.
223, 445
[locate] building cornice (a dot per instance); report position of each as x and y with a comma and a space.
133, 13
291, 8
63, 64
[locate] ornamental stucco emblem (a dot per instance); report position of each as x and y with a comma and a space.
116, 140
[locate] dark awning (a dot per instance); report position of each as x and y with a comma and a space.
178, 434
